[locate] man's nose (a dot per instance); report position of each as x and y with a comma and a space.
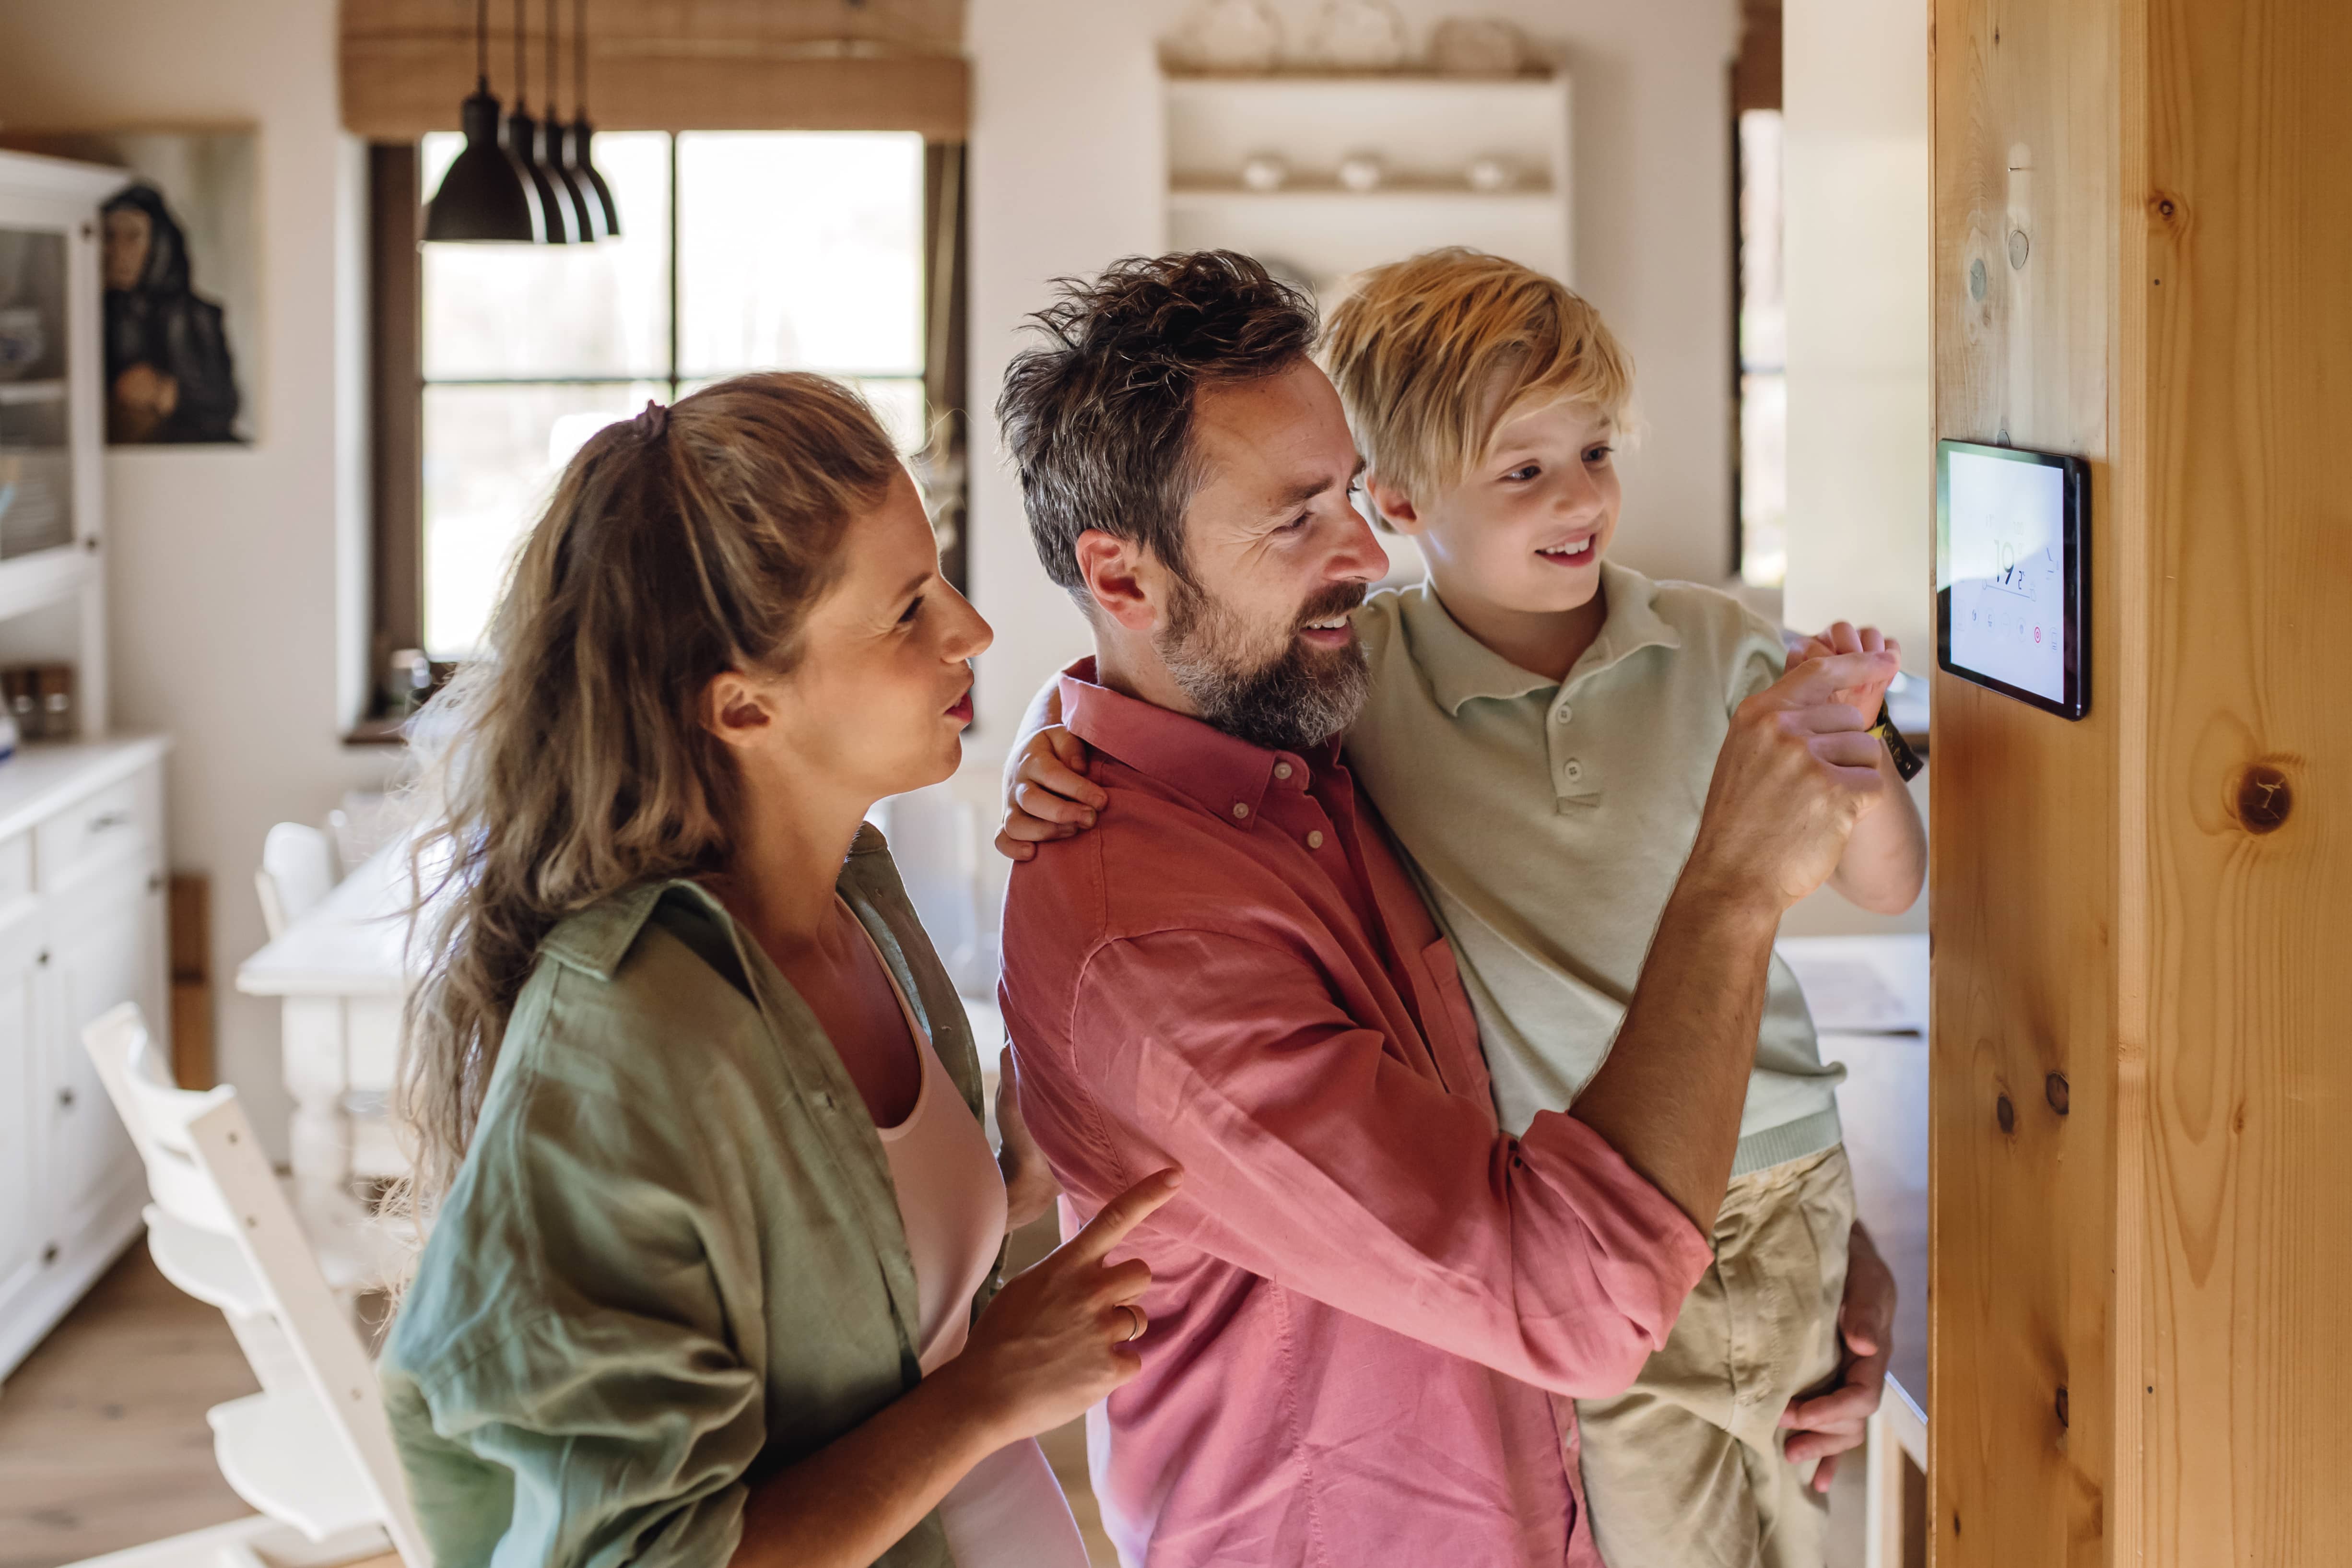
1360, 558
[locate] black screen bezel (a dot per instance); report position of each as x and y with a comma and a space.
2075, 525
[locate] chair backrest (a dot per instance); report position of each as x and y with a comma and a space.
157, 1113
297, 869
210, 1131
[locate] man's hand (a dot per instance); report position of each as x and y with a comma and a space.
1047, 794
1030, 1188
1825, 1425
1798, 770
1844, 638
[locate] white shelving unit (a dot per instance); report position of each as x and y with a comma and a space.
1426, 129
81, 820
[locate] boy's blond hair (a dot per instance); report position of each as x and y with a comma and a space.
1432, 355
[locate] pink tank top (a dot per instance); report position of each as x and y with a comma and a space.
1008, 1511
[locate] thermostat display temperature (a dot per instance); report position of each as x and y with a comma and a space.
2008, 566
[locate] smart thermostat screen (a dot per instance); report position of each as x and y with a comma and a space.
2008, 565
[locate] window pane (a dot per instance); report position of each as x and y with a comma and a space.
897, 404
800, 250
557, 309
1763, 355
492, 456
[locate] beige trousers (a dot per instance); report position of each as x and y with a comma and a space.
1684, 1469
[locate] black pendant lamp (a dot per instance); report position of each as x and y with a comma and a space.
487, 197
554, 155
557, 224
576, 145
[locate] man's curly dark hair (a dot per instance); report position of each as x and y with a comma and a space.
1098, 417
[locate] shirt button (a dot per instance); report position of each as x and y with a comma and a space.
1561, 715
1241, 808
1315, 840
1282, 769
1572, 770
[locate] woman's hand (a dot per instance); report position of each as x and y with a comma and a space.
1030, 1188
1047, 794
1057, 1337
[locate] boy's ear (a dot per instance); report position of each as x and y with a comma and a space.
1121, 577
1395, 507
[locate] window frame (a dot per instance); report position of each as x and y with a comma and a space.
395, 207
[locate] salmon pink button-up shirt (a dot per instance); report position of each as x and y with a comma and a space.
1368, 1302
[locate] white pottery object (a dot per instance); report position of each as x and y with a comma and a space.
1479, 46
1360, 36
1266, 171
1363, 171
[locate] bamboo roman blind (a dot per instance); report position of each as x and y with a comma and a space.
670, 65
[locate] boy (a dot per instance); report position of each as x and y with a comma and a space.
1539, 738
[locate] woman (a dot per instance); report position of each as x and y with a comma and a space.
714, 1218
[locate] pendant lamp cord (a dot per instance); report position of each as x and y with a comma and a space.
579, 58
554, 61
519, 94
482, 47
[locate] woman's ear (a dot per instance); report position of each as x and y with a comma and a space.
735, 710
1121, 577
1395, 507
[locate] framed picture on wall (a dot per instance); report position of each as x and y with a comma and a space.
182, 262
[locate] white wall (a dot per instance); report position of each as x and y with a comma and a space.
233, 571
1861, 448
1065, 165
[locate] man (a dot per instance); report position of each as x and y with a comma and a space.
1371, 1307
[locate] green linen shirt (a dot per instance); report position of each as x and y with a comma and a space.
673, 1260
1547, 822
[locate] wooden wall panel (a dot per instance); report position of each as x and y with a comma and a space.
2155, 903
2027, 854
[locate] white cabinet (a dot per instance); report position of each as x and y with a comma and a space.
82, 822
85, 933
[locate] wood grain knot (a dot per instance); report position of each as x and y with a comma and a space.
2054, 1087
2005, 1113
2265, 798
2061, 1405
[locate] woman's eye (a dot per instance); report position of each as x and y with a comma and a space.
911, 610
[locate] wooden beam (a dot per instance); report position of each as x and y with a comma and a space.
2142, 1341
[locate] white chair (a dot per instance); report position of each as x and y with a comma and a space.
297, 869
313, 1450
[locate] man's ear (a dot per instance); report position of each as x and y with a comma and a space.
1123, 579
1395, 507
735, 710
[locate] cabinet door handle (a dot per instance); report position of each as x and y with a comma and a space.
65, 1097
105, 820
44, 959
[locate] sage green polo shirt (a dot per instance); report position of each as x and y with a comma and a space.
672, 1261
1548, 821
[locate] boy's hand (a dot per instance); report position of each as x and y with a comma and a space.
1825, 1425
1047, 794
1844, 638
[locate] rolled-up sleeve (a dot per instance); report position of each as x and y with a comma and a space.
575, 1380
1315, 1157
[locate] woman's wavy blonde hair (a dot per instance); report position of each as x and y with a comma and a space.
675, 546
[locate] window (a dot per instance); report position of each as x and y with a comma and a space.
741, 250
1763, 356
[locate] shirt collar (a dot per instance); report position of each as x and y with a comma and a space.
1224, 775
1460, 667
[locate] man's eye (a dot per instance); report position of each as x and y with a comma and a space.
1296, 524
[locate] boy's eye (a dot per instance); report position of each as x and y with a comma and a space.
1524, 472
1598, 454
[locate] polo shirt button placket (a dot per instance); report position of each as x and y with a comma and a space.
1241, 811
1282, 769
1315, 839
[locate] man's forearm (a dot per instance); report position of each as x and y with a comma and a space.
1669, 1097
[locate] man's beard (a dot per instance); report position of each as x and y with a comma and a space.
1294, 702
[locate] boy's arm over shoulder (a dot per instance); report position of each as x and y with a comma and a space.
1316, 1155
